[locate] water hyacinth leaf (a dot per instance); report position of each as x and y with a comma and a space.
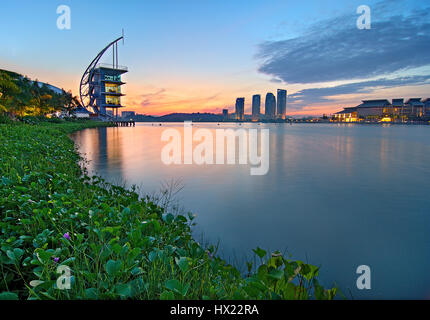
181, 218
8, 296
168, 218
43, 256
126, 211
113, 267
167, 295
18, 253
182, 263
124, 290
262, 272
259, 252
68, 261
289, 292
91, 293
156, 225
276, 274
152, 255
174, 285
136, 271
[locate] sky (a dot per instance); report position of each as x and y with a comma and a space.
199, 56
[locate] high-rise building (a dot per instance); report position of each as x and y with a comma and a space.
282, 103
270, 108
240, 109
225, 114
256, 105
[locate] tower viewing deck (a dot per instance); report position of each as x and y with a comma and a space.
100, 87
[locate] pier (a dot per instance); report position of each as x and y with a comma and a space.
124, 123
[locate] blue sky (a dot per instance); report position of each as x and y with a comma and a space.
200, 55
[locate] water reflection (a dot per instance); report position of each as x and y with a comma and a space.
336, 195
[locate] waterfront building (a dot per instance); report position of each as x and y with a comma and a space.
426, 107
81, 112
383, 110
240, 109
100, 87
107, 83
281, 109
415, 107
256, 106
225, 114
270, 106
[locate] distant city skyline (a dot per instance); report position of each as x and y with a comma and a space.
199, 56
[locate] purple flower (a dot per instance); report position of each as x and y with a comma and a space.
56, 259
210, 255
66, 236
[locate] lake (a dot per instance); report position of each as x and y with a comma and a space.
336, 195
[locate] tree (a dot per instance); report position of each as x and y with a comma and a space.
8, 92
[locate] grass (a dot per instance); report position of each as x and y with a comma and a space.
115, 244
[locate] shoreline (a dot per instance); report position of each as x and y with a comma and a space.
115, 244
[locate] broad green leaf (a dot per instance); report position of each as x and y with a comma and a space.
167, 295
113, 267
259, 252
168, 218
276, 274
8, 296
182, 263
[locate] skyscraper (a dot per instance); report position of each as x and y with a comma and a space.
270, 109
282, 103
225, 114
256, 104
240, 109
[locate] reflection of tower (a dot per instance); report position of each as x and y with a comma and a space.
282, 103
110, 155
270, 108
101, 83
240, 109
256, 105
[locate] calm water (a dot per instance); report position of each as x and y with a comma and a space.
337, 196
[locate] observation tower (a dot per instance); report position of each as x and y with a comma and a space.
100, 87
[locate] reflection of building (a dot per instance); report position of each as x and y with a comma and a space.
240, 109
256, 105
282, 103
270, 107
386, 111
225, 114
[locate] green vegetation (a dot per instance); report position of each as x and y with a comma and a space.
19, 96
116, 244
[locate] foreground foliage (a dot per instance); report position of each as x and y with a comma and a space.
20, 96
116, 244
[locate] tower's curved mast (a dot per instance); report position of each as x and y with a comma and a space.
90, 88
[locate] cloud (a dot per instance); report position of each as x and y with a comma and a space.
149, 98
305, 97
336, 50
